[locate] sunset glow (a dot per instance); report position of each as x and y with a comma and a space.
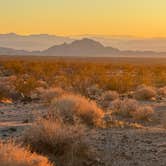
75, 17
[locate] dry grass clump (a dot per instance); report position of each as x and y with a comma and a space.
6, 87
122, 75
14, 155
162, 91
94, 92
48, 95
143, 113
111, 121
108, 97
144, 93
124, 107
129, 108
163, 120
64, 144
70, 107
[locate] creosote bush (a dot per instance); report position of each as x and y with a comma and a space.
124, 107
48, 95
162, 91
6, 87
70, 107
108, 97
143, 113
94, 92
15, 155
144, 93
130, 108
79, 75
64, 144
25, 85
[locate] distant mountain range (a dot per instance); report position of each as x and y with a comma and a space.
83, 47
43, 41
31, 42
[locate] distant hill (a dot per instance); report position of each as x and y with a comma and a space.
10, 51
129, 42
43, 41
31, 42
84, 47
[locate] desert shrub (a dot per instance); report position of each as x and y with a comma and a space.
70, 107
122, 75
124, 107
42, 83
6, 87
163, 120
143, 113
4, 91
144, 93
64, 144
48, 95
108, 97
162, 91
25, 85
130, 108
94, 92
14, 155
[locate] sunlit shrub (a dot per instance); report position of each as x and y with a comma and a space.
162, 91
48, 95
124, 107
14, 155
69, 107
107, 97
94, 92
144, 93
25, 86
143, 113
6, 87
130, 108
62, 143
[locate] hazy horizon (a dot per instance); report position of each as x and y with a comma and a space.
33, 42
84, 35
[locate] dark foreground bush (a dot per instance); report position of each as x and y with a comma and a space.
64, 144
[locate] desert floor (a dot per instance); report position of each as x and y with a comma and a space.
145, 146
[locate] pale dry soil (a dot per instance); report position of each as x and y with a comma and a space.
16, 117
117, 146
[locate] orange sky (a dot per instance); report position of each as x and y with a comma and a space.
145, 18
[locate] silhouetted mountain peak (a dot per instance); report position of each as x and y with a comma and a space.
84, 47
80, 47
85, 42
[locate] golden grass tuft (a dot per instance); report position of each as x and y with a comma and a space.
47, 95
144, 113
130, 108
162, 91
144, 93
70, 107
107, 97
64, 144
124, 107
15, 155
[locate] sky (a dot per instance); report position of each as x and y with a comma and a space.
141, 18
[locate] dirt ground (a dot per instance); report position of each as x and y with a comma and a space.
117, 146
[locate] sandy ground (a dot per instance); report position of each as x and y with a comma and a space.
118, 147
14, 118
